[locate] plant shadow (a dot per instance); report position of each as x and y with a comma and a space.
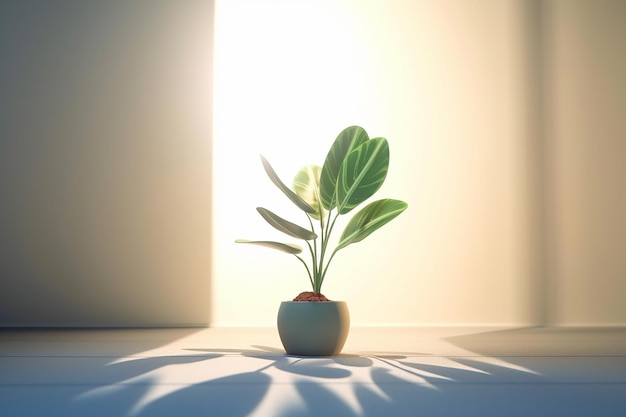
285, 385
264, 381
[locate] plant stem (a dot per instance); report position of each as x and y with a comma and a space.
318, 280
313, 249
332, 255
321, 272
307, 269
313, 252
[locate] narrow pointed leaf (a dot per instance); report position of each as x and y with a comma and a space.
283, 247
349, 139
369, 219
362, 174
306, 185
286, 190
286, 226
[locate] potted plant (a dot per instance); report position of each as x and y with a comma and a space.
355, 168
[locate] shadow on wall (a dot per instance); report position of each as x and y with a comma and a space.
105, 163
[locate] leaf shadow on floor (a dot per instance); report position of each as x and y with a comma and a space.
395, 383
366, 384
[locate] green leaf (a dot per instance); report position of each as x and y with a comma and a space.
362, 173
283, 247
285, 226
369, 219
306, 184
286, 190
349, 139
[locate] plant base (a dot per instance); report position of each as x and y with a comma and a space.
313, 328
311, 296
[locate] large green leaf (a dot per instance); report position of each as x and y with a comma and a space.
362, 174
283, 247
349, 139
286, 190
286, 226
369, 219
306, 184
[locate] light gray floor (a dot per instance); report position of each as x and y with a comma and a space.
244, 372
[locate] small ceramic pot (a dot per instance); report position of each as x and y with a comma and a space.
313, 328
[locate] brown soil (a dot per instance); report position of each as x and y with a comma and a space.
311, 296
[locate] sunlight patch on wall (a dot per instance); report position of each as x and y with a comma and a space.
287, 81
441, 82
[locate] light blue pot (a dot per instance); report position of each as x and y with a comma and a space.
313, 328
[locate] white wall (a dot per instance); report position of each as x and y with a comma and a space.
506, 131
105, 162
586, 103
504, 119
